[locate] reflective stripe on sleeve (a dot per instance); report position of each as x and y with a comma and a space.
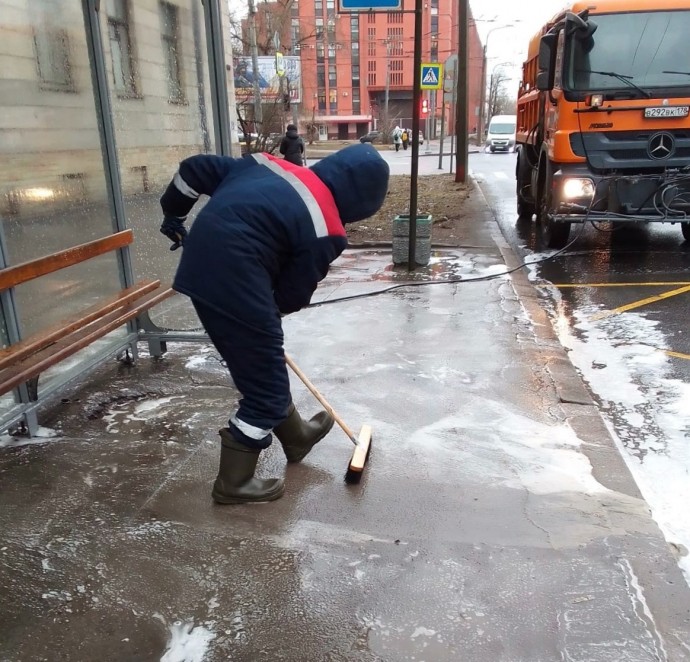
184, 188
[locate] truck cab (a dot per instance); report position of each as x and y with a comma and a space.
604, 118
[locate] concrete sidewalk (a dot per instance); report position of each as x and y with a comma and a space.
496, 520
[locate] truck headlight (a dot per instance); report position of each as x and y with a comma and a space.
578, 189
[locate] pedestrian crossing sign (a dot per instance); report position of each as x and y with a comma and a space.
432, 76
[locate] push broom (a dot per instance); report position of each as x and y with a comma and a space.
362, 443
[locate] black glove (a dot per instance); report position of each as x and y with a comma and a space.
173, 228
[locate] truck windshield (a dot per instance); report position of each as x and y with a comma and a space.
644, 48
502, 129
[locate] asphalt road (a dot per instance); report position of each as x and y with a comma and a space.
640, 261
618, 301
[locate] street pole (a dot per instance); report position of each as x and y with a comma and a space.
258, 115
416, 103
461, 132
482, 96
428, 125
388, 86
443, 127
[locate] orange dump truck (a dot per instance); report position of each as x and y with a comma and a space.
604, 117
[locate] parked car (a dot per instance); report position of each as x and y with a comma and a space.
370, 137
240, 136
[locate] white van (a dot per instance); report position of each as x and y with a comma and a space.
501, 133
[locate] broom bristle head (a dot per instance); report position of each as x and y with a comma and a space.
355, 469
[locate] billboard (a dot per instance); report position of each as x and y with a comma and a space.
269, 81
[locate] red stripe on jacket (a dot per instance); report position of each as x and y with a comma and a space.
319, 190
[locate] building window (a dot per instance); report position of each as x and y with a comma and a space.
330, 7
433, 51
395, 41
355, 73
371, 79
318, 7
434, 4
396, 79
52, 58
354, 26
321, 75
356, 103
371, 17
322, 100
355, 52
319, 28
371, 65
396, 65
332, 76
320, 53
294, 34
434, 25
170, 36
294, 9
395, 17
333, 100
121, 48
371, 42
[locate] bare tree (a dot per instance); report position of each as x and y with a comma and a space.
500, 101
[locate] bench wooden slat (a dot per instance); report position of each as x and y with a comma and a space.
25, 271
20, 372
20, 350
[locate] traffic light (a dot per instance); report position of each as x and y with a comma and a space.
425, 106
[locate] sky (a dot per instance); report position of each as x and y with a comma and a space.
510, 44
504, 45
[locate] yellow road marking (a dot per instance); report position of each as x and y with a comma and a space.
660, 284
677, 355
638, 304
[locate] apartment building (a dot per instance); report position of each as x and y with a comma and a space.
352, 63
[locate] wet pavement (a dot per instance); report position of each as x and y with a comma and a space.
496, 520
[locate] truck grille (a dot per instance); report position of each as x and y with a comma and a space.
630, 150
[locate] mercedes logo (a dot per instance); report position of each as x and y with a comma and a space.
661, 146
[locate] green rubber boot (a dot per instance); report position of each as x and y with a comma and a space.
236, 482
298, 436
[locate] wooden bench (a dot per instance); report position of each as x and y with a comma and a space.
22, 362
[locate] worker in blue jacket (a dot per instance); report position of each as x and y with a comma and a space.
256, 252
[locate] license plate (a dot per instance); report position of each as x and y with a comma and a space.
667, 111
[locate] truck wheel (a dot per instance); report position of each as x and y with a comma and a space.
553, 234
523, 175
685, 228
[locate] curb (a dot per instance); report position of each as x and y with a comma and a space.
576, 401
651, 557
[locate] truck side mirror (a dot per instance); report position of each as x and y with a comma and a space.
547, 51
543, 81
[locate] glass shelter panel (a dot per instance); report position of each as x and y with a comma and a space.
168, 119
53, 192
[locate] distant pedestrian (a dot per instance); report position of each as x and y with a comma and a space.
405, 139
397, 138
292, 146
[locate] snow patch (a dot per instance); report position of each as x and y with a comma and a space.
187, 643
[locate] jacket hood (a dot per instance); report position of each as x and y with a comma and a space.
357, 176
292, 132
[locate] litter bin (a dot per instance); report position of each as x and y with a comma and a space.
401, 239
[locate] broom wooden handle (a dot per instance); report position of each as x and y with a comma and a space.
321, 399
